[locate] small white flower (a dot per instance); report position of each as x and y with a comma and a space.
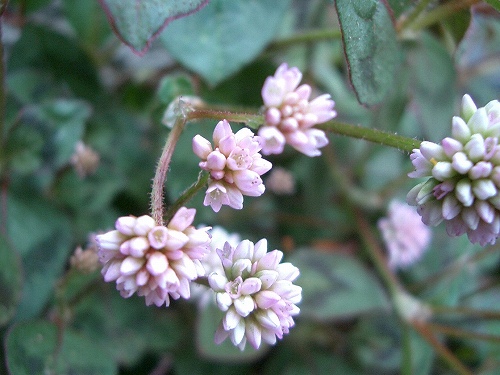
463, 175
256, 293
156, 262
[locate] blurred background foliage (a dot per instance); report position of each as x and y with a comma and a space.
69, 79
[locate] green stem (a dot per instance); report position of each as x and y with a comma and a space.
457, 332
376, 254
405, 20
453, 269
357, 196
406, 367
252, 120
162, 168
442, 350
305, 37
468, 312
441, 12
372, 135
187, 195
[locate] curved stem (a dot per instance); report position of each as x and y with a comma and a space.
400, 142
376, 254
352, 192
406, 20
442, 350
188, 194
162, 168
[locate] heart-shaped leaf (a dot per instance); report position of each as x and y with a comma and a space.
36, 347
224, 36
371, 47
336, 286
137, 23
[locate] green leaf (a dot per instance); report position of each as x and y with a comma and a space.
138, 23
172, 86
10, 281
209, 318
494, 3
31, 6
66, 121
335, 286
292, 359
400, 6
377, 345
127, 326
88, 20
475, 54
23, 149
30, 348
57, 57
371, 48
43, 238
224, 36
36, 348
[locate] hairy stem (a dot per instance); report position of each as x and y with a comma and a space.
162, 168
253, 120
372, 135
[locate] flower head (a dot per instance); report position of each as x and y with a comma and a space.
256, 292
281, 181
85, 160
290, 116
463, 175
235, 166
211, 262
404, 234
153, 260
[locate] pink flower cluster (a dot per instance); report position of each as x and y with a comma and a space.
152, 260
290, 116
235, 166
463, 175
256, 292
404, 234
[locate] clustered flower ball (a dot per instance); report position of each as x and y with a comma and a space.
154, 261
235, 166
405, 236
290, 116
464, 175
256, 292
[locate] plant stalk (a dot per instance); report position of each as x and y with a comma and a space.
162, 168
400, 142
